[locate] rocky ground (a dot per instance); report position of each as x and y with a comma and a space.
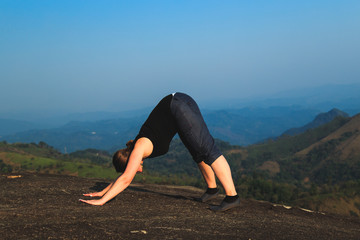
38, 206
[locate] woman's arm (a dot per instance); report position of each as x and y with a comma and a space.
142, 149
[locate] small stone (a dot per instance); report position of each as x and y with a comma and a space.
139, 231
12, 177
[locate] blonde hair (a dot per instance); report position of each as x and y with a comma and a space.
121, 157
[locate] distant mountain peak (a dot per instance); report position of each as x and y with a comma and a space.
345, 140
319, 120
330, 115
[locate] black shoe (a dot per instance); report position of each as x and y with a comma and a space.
207, 196
225, 206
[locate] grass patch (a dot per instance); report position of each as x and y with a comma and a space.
49, 165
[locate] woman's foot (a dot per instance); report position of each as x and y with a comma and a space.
228, 203
210, 193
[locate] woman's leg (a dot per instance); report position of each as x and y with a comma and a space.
208, 174
222, 171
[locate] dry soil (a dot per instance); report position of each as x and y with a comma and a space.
40, 206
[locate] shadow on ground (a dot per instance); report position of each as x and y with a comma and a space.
39, 206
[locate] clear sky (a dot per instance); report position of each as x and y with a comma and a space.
86, 55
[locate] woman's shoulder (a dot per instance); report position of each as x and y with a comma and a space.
145, 145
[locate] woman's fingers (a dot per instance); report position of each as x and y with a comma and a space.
92, 202
88, 194
85, 201
95, 194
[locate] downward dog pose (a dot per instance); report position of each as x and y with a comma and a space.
175, 113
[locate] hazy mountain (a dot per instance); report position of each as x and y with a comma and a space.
239, 126
345, 97
82, 135
10, 126
320, 119
94, 116
239, 121
250, 125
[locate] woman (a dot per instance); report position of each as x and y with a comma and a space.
176, 113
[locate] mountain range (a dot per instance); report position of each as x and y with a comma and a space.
318, 121
237, 121
238, 126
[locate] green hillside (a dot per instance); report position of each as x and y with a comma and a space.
318, 169
90, 163
43, 158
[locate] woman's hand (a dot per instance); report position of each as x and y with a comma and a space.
94, 194
97, 202
94, 201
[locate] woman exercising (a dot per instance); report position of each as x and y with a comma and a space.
176, 113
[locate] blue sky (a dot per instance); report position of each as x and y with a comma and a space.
79, 56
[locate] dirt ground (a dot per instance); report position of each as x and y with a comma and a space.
39, 206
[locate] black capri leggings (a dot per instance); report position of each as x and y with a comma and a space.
192, 129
